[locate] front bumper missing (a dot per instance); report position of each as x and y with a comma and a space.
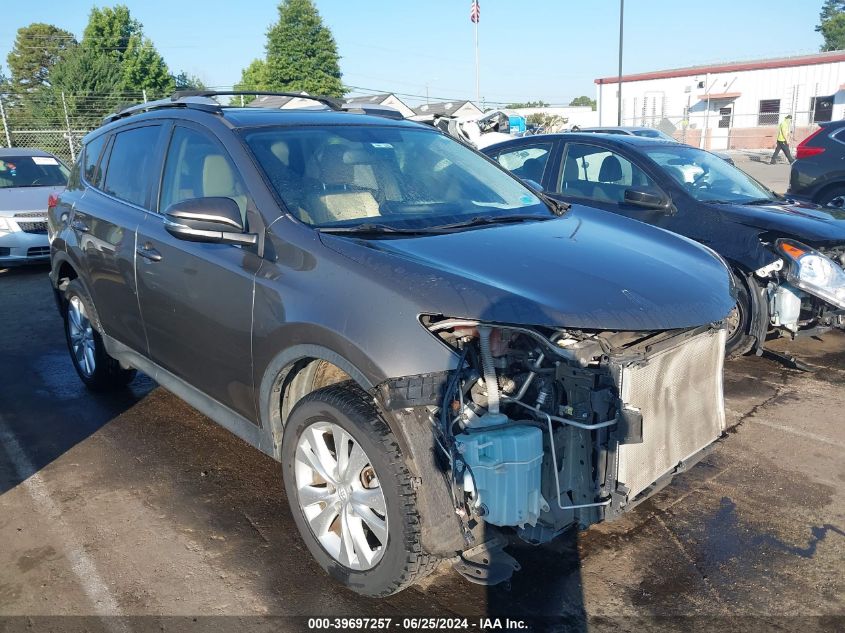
679, 393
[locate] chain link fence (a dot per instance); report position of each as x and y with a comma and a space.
55, 121
722, 129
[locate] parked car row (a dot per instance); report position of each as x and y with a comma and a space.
445, 352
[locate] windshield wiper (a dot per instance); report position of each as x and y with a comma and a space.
761, 201
370, 227
481, 220
558, 207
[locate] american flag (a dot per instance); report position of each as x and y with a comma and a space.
475, 12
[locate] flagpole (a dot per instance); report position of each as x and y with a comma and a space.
477, 73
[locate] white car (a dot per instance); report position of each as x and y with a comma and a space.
27, 179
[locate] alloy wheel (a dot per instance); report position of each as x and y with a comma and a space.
340, 496
81, 336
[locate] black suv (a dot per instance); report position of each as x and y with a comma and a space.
436, 354
818, 173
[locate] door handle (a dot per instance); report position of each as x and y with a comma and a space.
79, 225
148, 252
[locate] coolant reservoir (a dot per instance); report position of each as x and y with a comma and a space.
506, 469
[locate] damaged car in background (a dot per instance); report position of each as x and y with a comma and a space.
442, 359
787, 257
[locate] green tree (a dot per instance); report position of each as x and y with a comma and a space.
528, 104
301, 54
91, 80
833, 32
110, 30
832, 25
185, 81
255, 77
38, 47
144, 69
583, 100
113, 32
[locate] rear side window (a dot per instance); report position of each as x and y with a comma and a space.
527, 162
90, 168
130, 163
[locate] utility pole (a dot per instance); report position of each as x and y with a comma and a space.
69, 131
5, 125
619, 82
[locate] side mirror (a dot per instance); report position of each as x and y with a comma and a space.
214, 220
647, 199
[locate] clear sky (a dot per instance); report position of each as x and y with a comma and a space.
530, 49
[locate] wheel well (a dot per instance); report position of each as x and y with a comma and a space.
303, 377
66, 274
821, 193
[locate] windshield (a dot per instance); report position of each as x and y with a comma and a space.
402, 178
653, 133
708, 178
31, 171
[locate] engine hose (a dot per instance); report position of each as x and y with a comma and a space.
490, 379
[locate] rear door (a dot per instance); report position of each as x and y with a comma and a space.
196, 299
105, 219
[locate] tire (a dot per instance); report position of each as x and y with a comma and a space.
830, 195
97, 370
740, 340
377, 569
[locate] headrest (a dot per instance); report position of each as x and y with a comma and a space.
217, 177
611, 169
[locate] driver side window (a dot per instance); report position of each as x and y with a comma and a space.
596, 173
197, 167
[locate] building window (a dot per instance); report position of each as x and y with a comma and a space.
769, 112
822, 108
725, 117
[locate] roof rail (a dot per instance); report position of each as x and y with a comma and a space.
208, 105
202, 100
332, 104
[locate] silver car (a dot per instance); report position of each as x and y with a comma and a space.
28, 177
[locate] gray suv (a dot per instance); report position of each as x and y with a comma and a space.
441, 358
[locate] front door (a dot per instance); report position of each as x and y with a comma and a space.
196, 299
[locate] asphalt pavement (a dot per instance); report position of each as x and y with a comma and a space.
134, 512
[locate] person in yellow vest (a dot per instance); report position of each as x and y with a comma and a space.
784, 130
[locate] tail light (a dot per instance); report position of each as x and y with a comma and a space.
804, 150
52, 201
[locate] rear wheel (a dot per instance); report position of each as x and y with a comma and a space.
833, 198
351, 494
98, 370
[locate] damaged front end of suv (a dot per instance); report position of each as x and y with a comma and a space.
542, 430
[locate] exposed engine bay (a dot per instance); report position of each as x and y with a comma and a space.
543, 430
806, 289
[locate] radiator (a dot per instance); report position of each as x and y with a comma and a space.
679, 392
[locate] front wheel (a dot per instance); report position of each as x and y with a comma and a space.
738, 322
351, 493
98, 370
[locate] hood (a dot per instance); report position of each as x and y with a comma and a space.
17, 199
588, 269
805, 222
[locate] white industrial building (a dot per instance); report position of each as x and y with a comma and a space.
730, 106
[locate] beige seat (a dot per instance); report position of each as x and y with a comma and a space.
339, 200
218, 181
